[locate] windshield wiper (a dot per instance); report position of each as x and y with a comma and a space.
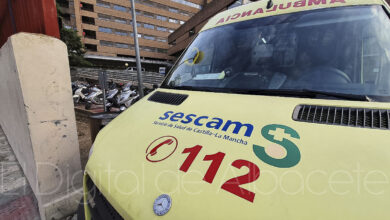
303, 93
270, 92
353, 97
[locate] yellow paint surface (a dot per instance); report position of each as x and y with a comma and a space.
343, 172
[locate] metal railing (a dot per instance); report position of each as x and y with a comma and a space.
151, 78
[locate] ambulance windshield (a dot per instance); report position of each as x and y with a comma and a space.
342, 50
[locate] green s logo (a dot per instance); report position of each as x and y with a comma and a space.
278, 134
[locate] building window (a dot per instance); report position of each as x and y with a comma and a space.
173, 20
119, 45
86, 6
185, 13
89, 34
171, 31
161, 50
106, 43
149, 15
162, 18
181, 22
147, 2
173, 10
122, 33
139, 24
149, 49
104, 17
184, 2
88, 20
147, 37
103, 4
165, 7
91, 47
120, 20
162, 29
67, 27
105, 30
120, 8
161, 39
149, 26
138, 12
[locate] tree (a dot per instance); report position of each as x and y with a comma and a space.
76, 49
72, 40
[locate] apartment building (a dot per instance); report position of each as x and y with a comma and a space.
107, 31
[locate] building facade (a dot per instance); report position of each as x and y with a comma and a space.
107, 31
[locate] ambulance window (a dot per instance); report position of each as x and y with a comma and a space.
342, 50
371, 59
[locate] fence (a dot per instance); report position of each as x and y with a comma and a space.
149, 78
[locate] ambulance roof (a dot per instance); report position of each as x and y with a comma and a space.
259, 9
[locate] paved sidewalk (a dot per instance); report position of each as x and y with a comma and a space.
17, 201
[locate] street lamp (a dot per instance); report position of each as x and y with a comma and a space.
137, 55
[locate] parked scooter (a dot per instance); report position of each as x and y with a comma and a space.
80, 91
95, 96
111, 95
126, 97
112, 92
121, 98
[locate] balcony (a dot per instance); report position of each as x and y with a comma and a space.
91, 47
86, 7
89, 34
88, 20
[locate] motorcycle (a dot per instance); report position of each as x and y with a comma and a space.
126, 97
121, 98
80, 91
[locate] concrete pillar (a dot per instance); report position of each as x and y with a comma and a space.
37, 116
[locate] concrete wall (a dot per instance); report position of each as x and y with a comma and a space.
37, 116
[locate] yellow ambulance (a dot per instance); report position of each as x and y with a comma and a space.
277, 110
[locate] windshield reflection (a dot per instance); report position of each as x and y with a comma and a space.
338, 50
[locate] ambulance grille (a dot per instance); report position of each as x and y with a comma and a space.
99, 206
168, 98
344, 116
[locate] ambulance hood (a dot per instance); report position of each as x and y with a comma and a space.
192, 146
